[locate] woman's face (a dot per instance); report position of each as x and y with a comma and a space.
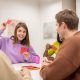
21, 33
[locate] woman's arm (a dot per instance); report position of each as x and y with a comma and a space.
32, 57
2, 39
3, 27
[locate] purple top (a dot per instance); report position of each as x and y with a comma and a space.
13, 51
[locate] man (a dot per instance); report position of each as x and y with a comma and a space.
66, 66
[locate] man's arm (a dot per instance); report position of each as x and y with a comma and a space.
59, 69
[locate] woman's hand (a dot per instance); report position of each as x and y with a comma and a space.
3, 26
26, 54
48, 46
26, 74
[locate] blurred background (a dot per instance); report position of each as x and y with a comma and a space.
39, 15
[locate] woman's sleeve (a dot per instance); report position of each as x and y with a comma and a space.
33, 58
1, 31
1, 38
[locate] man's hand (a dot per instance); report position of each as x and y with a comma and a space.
46, 61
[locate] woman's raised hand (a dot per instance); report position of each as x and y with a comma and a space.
3, 26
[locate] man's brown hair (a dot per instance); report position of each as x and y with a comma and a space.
69, 17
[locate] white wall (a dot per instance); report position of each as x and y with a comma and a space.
34, 14
48, 11
78, 10
27, 12
69, 4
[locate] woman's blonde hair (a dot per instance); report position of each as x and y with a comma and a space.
7, 71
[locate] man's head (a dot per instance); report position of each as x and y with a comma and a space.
67, 21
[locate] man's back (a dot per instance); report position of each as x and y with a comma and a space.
71, 52
66, 66
74, 57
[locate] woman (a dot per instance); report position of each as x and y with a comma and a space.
52, 49
7, 72
18, 47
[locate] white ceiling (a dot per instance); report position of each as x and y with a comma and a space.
40, 1
32, 1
